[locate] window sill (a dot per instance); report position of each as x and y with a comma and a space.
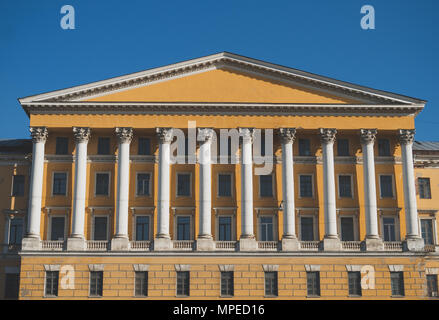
226, 296
397, 296
271, 296
313, 296
182, 296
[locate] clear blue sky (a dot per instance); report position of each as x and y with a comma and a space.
113, 38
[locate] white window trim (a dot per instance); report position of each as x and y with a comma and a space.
354, 224
109, 185
45, 283
49, 227
272, 187
233, 225
150, 184
314, 217
232, 179
191, 225
272, 215
151, 223
176, 184
397, 230
434, 225
312, 185
352, 185
53, 184
417, 183
94, 215
393, 185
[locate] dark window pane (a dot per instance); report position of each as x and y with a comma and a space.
141, 283
227, 283
313, 283
271, 283
52, 283
100, 228
18, 186
225, 185
304, 147
343, 147
389, 229
183, 228
143, 183
424, 188
386, 186
183, 283
15, 231
62, 145
345, 187
183, 184
305, 182
60, 183
102, 184
427, 231
266, 185
225, 228
12, 285
103, 145
347, 229
144, 146
142, 228
266, 229
432, 285
397, 283
57, 228
96, 283
307, 229
354, 279
383, 147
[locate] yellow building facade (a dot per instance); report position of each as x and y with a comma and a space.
219, 177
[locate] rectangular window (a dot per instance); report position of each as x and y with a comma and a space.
52, 283
224, 185
389, 229
15, 231
424, 188
18, 186
266, 229
343, 147
183, 184
307, 228
62, 145
183, 228
305, 183
143, 184
142, 228
313, 283
225, 228
100, 228
266, 185
304, 147
432, 285
397, 283
59, 184
383, 147
271, 283
354, 282
102, 184
12, 285
347, 228
386, 186
96, 283
103, 145
183, 283
141, 284
427, 231
57, 226
227, 283
144, 146
344, 186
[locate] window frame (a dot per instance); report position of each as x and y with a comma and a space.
299, 149
272, 187
102, 284
435, 281
177, 173
433, 226
393, 185
274, 220
144, 281
66, 184
14, 184
314, 217
49, 227
317, 282
184, 284
352, 185
109, 146
93, 226
8, 230
419, 187
67, 145
232, 227
401, 284
354, 218
274, 289
138, 146
359, 292
378, 147
149, 187
312, 185
191, 226
232, 193
96, 184
230, 288
396, 219
150, 229
45, 284
348, 147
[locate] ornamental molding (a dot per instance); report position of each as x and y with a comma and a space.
368, 136
406, 136
327, 135
39, 134
96, 267
226, 267
270, 267
353, 268
312, 267
396, 267
182, 267
52, 267
141, 267
124, 134
81, 134
288, 135
165, 135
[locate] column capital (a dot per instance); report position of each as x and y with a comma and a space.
288, 135
124, 134
367, 135
164, 135
205, 134
81, 134
39, 134
406, 136
327, 135
247, 134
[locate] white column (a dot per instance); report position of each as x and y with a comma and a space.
39, 137
406, 138
82, 136
124, 137
370, 198
287, 136
205, 135
164, 136
327, 137
247, 183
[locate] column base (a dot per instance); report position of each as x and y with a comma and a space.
30, 243
204, 244
290, 244
75, 244
248, 244
413, 244
374, 244
162, 244
120, 244
331, 244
